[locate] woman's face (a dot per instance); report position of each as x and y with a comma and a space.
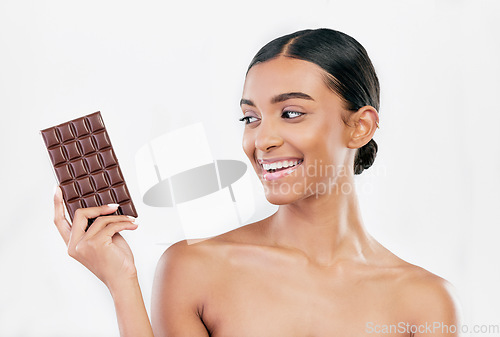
294, 118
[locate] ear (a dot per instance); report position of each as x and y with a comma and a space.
364, 123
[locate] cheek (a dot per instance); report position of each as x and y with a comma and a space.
325, 143
315, 137
333, 140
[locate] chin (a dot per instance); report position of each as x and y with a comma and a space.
277, 194
279, 199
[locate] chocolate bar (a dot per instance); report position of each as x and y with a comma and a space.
85, 165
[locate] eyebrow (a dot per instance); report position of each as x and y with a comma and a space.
280, 98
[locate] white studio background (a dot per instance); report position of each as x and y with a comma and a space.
152, 67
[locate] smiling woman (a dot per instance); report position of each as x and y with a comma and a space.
310, 107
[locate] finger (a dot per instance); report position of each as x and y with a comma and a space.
60, 220
116, 227
81, 220
102, 222
107, 233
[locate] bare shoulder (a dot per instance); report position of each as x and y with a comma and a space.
420, 296
183, 260
188, 257
428, 297
420, 292
181, 252
191, 267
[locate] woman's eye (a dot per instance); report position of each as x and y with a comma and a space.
246, 119
292, 114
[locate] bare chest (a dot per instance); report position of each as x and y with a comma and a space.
284, 302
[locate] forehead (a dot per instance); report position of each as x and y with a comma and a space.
284, 74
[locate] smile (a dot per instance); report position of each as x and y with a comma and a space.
279, 169
280, 165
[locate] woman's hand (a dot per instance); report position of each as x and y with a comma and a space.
101, 249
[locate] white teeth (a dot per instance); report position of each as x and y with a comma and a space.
279, 164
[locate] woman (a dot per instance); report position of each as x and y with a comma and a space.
309, 104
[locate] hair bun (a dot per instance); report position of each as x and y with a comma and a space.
365, 156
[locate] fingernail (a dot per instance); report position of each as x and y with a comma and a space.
131, 218
113, 205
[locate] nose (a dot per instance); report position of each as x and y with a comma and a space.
267, 136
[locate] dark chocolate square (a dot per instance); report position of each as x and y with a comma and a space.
101, 140
85, 186
108, 158
80, 127
63, 173
57, 155
50, 137
78, 168
72, 150
106, 197
95, 122
93, 163
100, 181
65, 132
69, 191
120, 193
91, 201
87, 145
73, 206
114, 175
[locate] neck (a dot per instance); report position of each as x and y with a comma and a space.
326, 228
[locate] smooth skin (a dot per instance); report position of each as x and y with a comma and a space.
310, 269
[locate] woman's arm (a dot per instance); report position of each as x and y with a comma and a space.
131, 313
179, 287
103, 251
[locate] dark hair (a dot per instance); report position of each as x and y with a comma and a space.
349, 72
